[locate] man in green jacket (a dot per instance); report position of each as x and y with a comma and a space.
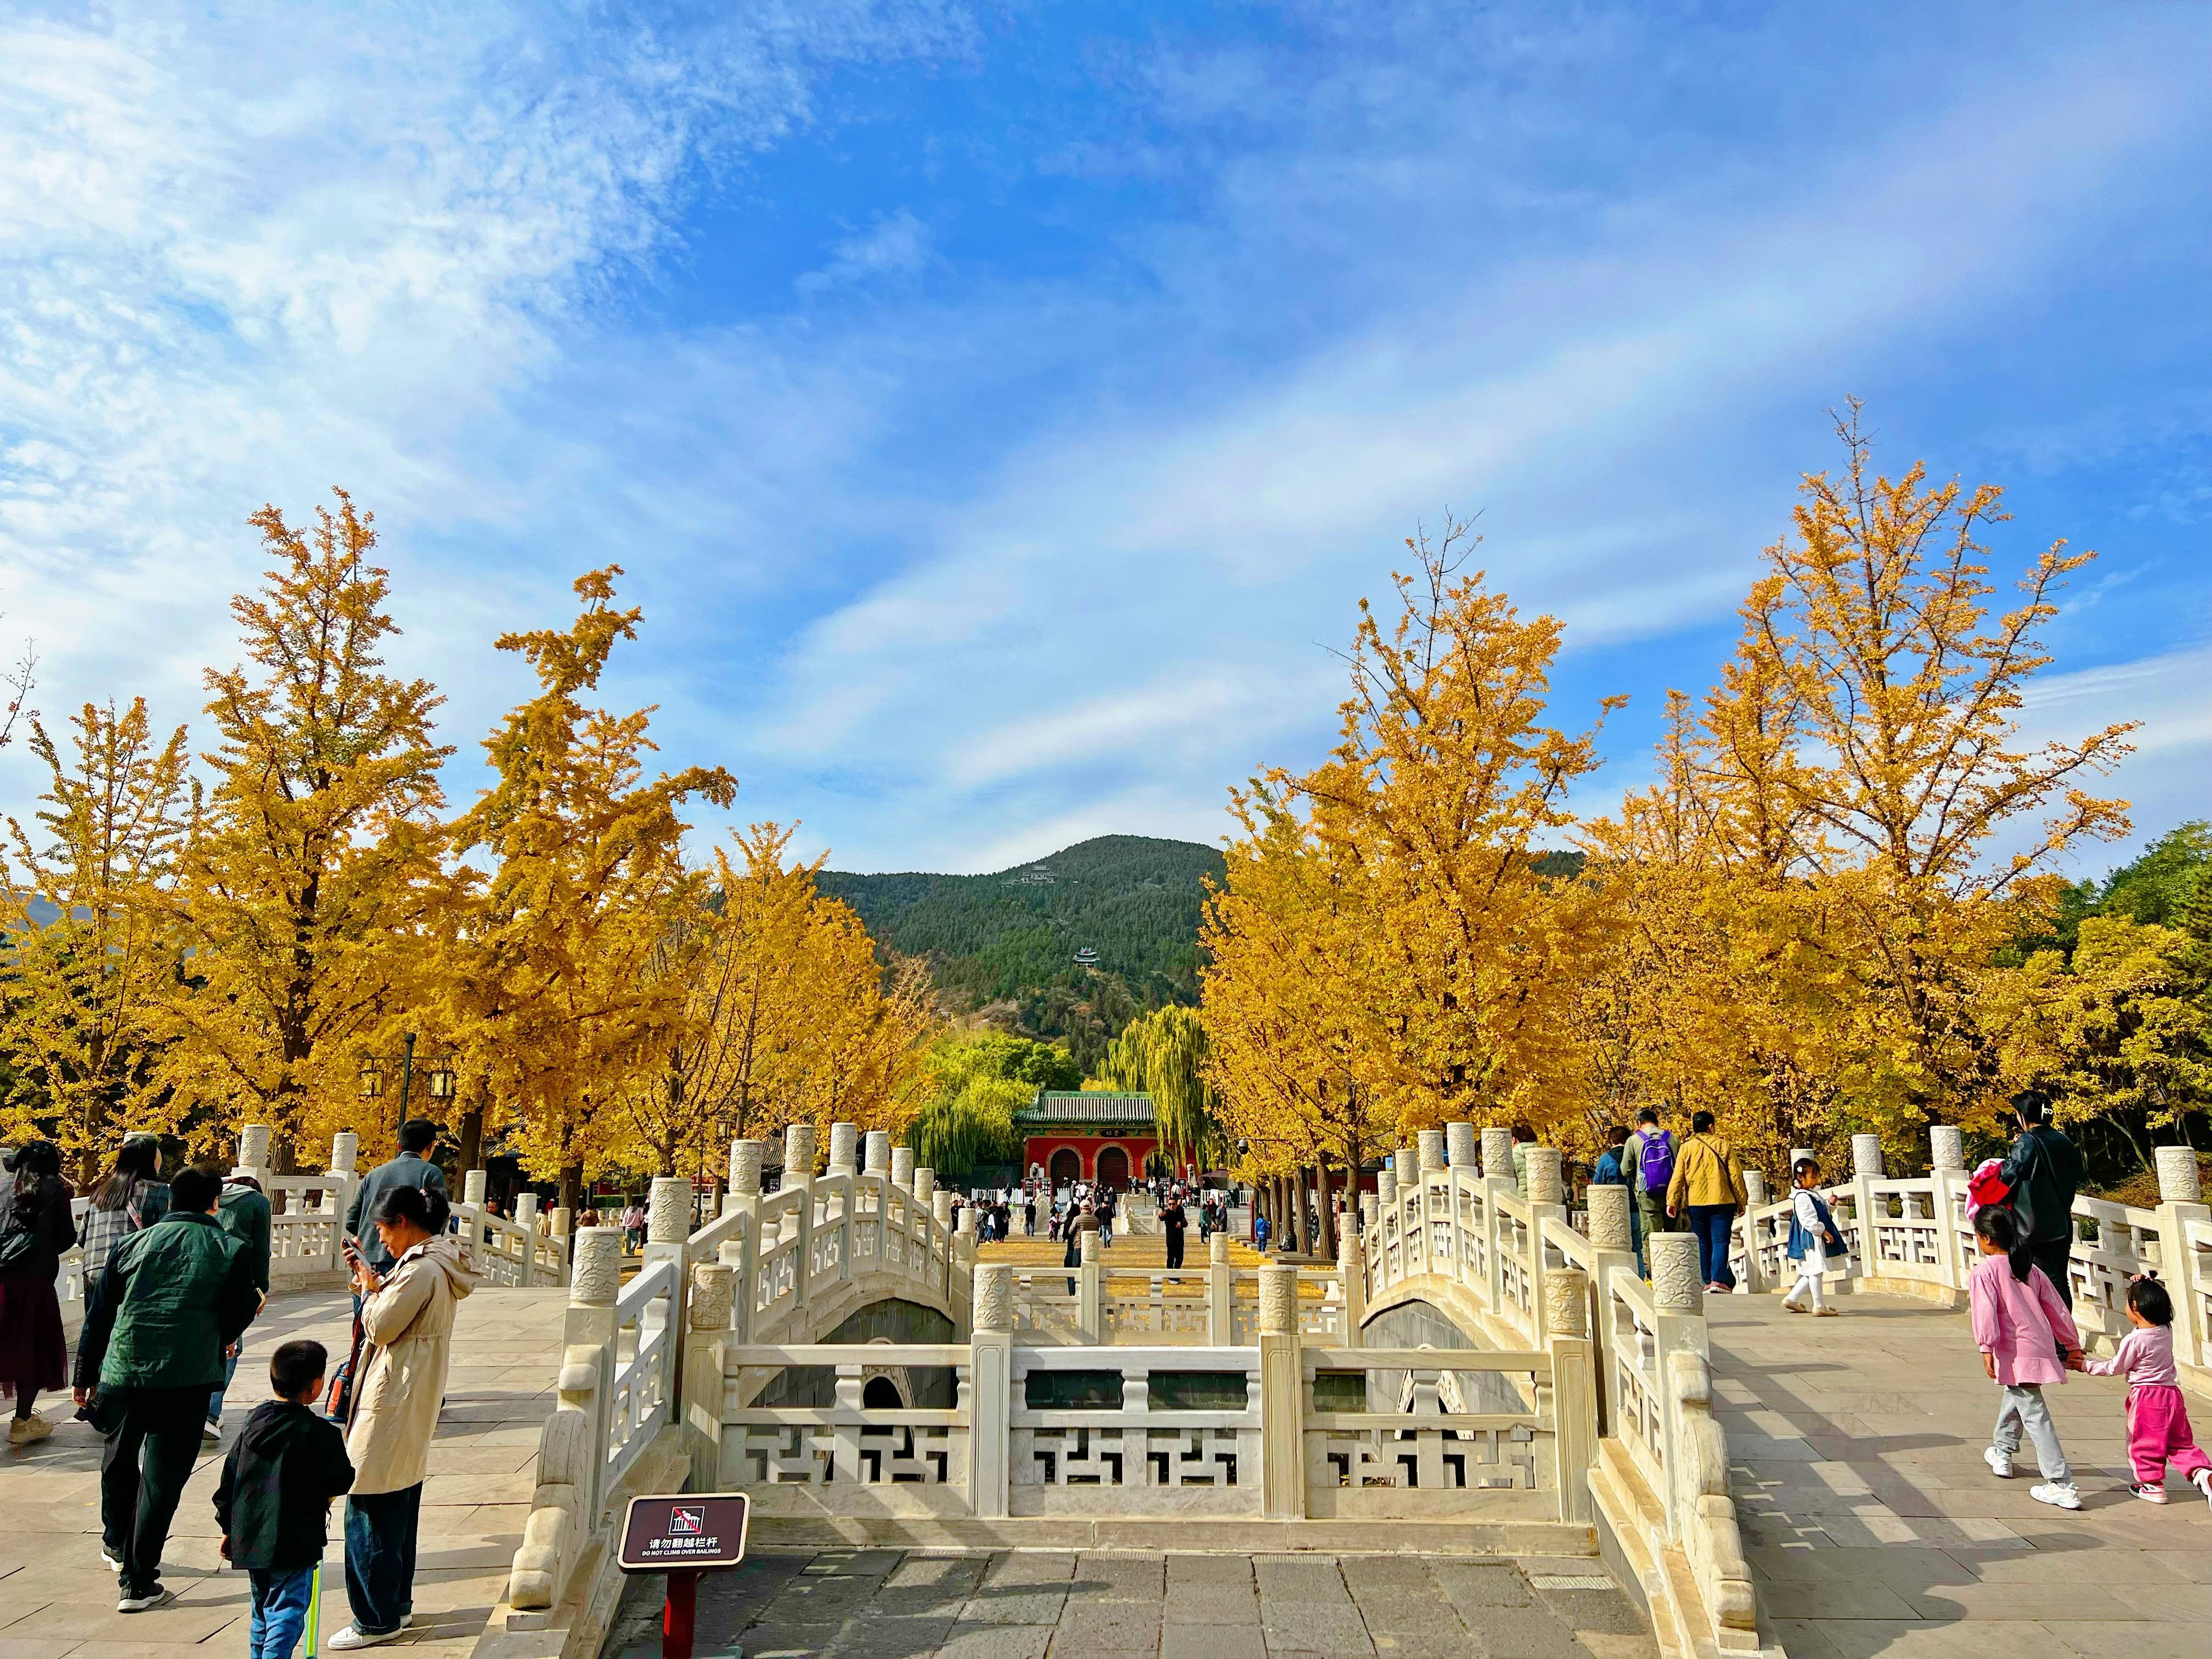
174, 1297
243, 1213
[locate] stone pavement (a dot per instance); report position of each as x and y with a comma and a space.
1873, 1526
57, 1600
892, 1604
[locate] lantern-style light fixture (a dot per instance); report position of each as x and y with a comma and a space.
372, 1081
441, 1084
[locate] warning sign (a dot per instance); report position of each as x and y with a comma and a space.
694, 1531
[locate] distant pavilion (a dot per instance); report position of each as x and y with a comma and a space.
1072, 1135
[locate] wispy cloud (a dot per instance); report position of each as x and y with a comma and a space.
896, 245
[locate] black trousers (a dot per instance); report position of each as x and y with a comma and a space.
143, 1470
2051, 1254
1175, 1248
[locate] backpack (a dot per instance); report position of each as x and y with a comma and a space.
1655, 1162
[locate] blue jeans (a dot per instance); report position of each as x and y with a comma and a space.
1714, 1224
281, 1595
380, 1558
215, 1400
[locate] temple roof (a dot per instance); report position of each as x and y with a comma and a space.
1065, 1106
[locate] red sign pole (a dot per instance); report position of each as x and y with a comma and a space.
681, 1616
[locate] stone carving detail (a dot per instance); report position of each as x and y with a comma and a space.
345, 1150
1609, 1225
1216, 1249
844, 1147
1385, 1187
1370, 1207
597, 1280
1545, 1185
994, 1297
1134, 1457
2178, 1180
1675, 1286
746, 1159
1866, 1157
253, 1146
901, 1166
1279, 1301
1424, 1459
1498, 1154
1945, 1149
1461, 1146
940, 1207
1566, 1303
1432, 1150
1754, 1185
799, 1153
472, 1188
925, 1186
879, 1152
713, 1295
669, 1217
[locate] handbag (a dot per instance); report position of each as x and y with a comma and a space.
339, 1405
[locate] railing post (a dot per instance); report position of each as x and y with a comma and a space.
1678, 1303
525, 1217
744, 1195
1566, 1310
1755, 1198
844, 1149
587, 1363
1613, 1249
1947, 1176
1090, 1286
1282, 1388
902, 1168
1496, 1176
1352, 1286
1547, 1201
713, 1298
1220, 1294
2181, 1201
879, 1144
990, 1371
668, 1225
798, 1175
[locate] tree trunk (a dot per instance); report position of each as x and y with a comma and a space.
572, 1188
471, 1148
1327, 1239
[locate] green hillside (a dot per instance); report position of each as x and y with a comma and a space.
1015, 937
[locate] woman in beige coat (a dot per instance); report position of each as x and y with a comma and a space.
407, 1327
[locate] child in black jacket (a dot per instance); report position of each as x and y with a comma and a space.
274, 1500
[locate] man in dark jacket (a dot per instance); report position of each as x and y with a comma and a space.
173, 1297
243, 1213
274, 1502
418, 1137
2044, 1170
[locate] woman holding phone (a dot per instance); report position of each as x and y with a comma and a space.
407, 1325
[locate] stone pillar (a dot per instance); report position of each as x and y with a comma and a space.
798, 1177
1370, 1207
747, 1159
844, 1148
253, 1146
990, 1370
525, 1217
1866, 1169
1461, 1148
1548, 1204
879, 1152
903, 1167
587, 1366
1497, 1178
1498, 1155
1946, 1198
472, 1188
1433, 1150
1352, 1276
1945, 1150
798, 1153
345, 1151
713, 1300
667, 1226
2180, 1205
1545, 1184
1613, 1249
1220, 1294
1678, 1306
925, 1187
1386, 1189
1865, 1158
1574, 1388
1754, 1185
1282, 1386
940, 1207
563, 1224
1090, 1292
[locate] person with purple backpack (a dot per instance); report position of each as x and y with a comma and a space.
1648, 1161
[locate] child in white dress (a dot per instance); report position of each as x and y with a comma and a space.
1813, 1241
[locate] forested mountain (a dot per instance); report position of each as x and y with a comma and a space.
1073, 945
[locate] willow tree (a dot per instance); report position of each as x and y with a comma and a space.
548, 982
305, 895
89, 979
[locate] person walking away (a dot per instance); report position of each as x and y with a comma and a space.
1029, 1215
2044, 1170
1173, 1223
1260, 1231
35, 1228
1086, 1222
128, 1198
1523, 1138
1650, 1170
1813, 1239
2021, 1327
1615, 1167
242, 1212
418, 1139
173, 1297
1108, 1201
273, 1501
407, 1316
634, 1226
2158, 1417
1708, 1184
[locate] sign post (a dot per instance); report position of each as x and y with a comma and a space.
683, 1535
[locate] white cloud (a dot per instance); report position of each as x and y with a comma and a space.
896, 245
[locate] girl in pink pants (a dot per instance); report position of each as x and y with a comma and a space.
2158, 1421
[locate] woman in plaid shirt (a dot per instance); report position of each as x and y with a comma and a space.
127, 1199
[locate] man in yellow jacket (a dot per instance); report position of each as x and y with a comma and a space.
1708, 1186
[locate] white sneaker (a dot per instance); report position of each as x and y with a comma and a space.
1787, 1306
2203, 1481
2000, 1462
350, 1638
156, 1597
2058, 1497
108, 1560
23, 1430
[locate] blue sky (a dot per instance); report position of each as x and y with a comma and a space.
999, 410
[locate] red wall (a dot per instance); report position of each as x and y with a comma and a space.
1039, 1149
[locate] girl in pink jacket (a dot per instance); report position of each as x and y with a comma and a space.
2028, 1339
2158, 1421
